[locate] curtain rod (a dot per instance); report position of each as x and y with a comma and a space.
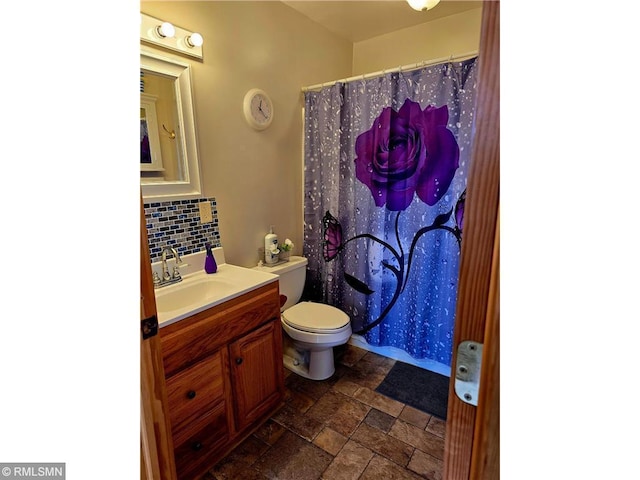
404, 68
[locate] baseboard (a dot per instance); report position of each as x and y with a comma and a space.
397, 354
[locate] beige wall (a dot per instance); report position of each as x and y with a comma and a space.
256, 177
452, 35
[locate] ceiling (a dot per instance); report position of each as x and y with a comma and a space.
358, 20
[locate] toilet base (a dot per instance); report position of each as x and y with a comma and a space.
314, 365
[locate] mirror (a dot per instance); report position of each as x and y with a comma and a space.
169, 166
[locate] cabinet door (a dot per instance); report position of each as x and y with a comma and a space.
256, 372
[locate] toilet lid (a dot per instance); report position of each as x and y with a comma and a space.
312, 317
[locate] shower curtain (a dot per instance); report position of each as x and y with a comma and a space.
386, 163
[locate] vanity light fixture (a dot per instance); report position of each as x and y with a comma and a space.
166, 30
163, 34
194, 40
421, 5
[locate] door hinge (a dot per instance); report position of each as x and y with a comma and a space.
468, 364
149, 327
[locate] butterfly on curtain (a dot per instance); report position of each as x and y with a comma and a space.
332, 243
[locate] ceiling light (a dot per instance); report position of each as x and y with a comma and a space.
194, 40
422, 5
166, 30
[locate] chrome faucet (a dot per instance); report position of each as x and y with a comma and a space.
168, 278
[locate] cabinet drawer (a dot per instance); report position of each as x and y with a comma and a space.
195, 390
196, 451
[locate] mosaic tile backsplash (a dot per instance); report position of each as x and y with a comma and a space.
177, 224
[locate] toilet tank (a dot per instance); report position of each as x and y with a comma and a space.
292, 276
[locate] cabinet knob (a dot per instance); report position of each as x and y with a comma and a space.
238, 360
196, 446
191, 394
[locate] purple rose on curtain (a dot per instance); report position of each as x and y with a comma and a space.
406, 152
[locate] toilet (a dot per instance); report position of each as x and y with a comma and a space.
311, 329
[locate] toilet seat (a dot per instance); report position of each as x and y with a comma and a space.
316, 318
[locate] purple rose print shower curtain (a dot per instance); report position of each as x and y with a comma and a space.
386, 163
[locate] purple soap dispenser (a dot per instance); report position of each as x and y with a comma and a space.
210, 265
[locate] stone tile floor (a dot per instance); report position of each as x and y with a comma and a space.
340, 429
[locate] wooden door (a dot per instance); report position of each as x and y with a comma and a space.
156, 446
472, 438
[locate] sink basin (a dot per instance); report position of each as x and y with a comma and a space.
184, 294
199, 291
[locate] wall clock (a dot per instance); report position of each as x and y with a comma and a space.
258, 109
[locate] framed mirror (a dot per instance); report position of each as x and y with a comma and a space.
169, 165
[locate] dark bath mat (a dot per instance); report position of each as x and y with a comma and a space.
422, 389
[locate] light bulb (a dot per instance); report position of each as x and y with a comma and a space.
166, 30
421, 5
195, 40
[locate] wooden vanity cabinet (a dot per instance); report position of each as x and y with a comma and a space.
224, 376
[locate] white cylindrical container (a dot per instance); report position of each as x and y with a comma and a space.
270, 241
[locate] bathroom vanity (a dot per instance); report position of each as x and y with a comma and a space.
224, 374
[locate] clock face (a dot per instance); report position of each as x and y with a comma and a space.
258, 109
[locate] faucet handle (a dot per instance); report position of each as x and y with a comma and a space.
176, 273
156, 279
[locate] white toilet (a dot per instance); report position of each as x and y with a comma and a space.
312, 329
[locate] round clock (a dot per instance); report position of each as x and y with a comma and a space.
258, 109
